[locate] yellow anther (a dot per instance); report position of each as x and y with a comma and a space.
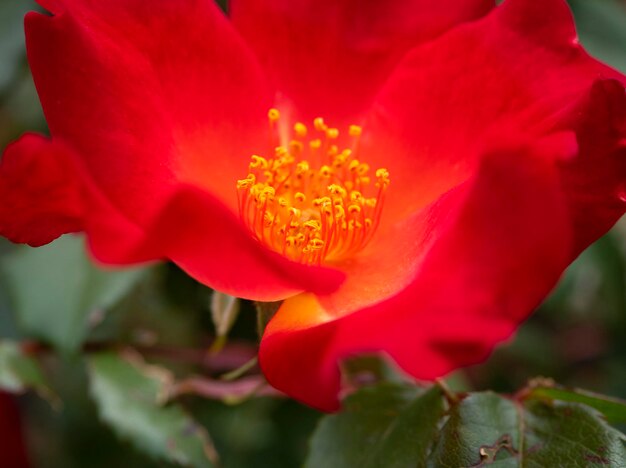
295, 212
362, 169
336, 189
336, 212
319, 124
268, 218
268, 192
383, 177
332, 133
313, 224
326, 171
354, 209
341, 158
300, 129
382, 173
316, 244
296, 146
258, 162
281, 151
355, 131
247, 182
275, 164
273, 114
322, 201
256, 189
338, 162
355, 195
302, 167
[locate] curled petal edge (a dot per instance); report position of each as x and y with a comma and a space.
498, 254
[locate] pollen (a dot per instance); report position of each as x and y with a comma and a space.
311, 200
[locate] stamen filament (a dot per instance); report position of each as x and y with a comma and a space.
307, 201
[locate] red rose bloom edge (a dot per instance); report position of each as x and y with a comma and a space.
505, 142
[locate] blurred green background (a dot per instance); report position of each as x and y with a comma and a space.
55, 296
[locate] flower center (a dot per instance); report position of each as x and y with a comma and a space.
312, 201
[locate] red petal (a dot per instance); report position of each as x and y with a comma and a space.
519, 67
45, 194
497, 251
204, 237
210, 243
595, 180
152, 98
430, 145
39, 197
148, 93
330, 57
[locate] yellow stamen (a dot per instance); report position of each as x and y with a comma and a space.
310, 200
273, 115
300, 129
319, 124
355, 131
332, 133
315, 144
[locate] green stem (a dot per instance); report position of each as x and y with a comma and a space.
452, 397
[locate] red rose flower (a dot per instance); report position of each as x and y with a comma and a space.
467, 154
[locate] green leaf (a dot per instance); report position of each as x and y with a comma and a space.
570, 434
12, 38
393, 425
20, 372
480, 420
613, 409
600, 24
389, 425
53, 290
486, 429
130, 397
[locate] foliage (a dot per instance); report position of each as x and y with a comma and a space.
130, 396
75, 289
121, 367
400, 426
